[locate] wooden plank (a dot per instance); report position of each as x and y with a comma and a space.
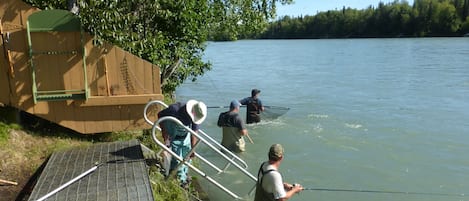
147, 77
22, 84
92, 57
80, 117
138, 75
92, 119
74, 76
64, 114
64, 65
40, 62
114, 71
95, 69
128, 87
116, 122
125, 117
118, 100
4, 75
121, 63
156, 80
136, 116
105, 120
103, 79
41, 109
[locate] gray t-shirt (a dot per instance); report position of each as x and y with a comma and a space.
232, 125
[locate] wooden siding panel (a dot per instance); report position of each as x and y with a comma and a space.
127, 84
4, 78
74, 75
115, 113
114, 72
92, 118
148, 78
138, 75
45, 66
100, 77
156, 80
42, 109
136, 117
64, 114
95, 56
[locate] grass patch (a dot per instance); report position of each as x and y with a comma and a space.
166, 189
5, 130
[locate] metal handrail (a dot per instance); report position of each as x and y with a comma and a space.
213, 141
206, 139
201, 173
147, 106
205, 142
225, 150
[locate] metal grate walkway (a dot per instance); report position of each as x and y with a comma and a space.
122, 175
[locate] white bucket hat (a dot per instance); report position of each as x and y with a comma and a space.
197, 110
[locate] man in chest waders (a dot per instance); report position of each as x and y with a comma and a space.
253, 107
191, 114
233, 128
270, 185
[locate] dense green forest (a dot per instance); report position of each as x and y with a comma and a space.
425, 18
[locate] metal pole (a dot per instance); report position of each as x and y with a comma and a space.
391, 192
69, 183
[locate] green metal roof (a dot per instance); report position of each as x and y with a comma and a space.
53, 20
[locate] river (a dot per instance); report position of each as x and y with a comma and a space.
365, 114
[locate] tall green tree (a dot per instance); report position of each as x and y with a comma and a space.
170, 33
395, 19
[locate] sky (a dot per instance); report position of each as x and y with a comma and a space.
311, 7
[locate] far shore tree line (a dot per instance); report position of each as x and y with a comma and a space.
425, 18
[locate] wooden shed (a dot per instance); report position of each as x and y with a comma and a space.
50, 68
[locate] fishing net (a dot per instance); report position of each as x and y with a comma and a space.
273, 112
269, 113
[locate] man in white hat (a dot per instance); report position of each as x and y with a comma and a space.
191, 114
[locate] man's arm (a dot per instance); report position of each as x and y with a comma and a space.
244, 101
243, 132
261, 106
241, 126
291, 190
221, 120
193, 142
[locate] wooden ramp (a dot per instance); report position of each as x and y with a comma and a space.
122, 175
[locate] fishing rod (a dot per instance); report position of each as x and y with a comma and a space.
223, 106
265, 106
389, 192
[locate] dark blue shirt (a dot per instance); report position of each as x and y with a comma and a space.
178, 111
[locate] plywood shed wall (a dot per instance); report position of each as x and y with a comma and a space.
98, 89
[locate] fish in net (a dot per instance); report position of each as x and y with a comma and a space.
273, 112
